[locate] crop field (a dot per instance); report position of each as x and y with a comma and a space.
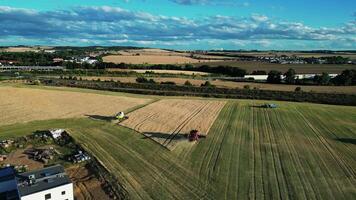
24, 104
153, 56
297, 151
232, 84
166, 121
158, 71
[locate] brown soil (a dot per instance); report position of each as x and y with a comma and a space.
18, 157
86, 185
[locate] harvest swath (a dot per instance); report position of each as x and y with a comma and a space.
297, 151
166, 121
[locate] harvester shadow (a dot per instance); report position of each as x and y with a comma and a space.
100, 117
347, 140
153, 135
253, 106
179, 136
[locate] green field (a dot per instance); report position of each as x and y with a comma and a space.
298, 151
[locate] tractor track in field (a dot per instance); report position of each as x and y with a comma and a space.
235, 158
331, 130
325, 169
275, 158
212, 146
294, 156
347, 170
252, 189
259, 162
158, 171
341, 163
183, 124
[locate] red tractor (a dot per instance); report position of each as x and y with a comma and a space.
193, 135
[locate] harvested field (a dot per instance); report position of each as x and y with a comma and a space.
232, 84
166, 121
151, 59
86, 185
297, 151
18, 105
157, 71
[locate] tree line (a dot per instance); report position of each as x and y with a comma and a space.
346, 78
178, 90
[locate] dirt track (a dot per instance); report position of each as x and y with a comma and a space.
166, 121
18, 105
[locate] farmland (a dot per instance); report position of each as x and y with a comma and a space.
297, 151
158, 71
166, 121
251, 66
153, 56
231, 84
24, 105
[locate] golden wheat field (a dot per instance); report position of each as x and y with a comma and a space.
19, 105
149, 59
166, 121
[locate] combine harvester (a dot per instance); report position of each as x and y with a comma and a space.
119, 117
194, 135
269, 105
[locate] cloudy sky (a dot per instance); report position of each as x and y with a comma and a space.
181, 24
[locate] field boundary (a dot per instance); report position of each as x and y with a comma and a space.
174, 90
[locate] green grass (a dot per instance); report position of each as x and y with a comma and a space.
298, 151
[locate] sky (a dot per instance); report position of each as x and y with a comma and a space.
181, 24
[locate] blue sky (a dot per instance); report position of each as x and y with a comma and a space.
181, 24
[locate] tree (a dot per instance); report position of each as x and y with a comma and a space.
298, 89
188, 83
259, 72
347, 77
290, 76
207, 84
274, 77
247, 87
322, 79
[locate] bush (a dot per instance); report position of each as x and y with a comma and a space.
145, 80
247, 87
168, 83
188, 83
298, 89
207, 84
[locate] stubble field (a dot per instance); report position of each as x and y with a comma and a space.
167, 121
297, 151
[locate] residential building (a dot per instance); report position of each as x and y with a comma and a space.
44, 184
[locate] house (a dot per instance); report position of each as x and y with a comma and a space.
44, 184
8, 185
57, 133
57, 60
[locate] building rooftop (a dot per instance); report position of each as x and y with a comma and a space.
8, 186
43, 179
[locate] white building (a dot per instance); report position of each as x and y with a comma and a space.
44, 184
57, 133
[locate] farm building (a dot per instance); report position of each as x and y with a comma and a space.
57, 133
